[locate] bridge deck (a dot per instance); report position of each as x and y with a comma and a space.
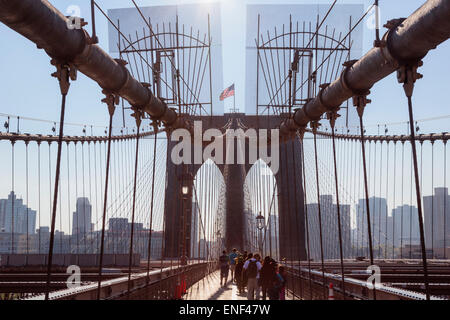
209, 289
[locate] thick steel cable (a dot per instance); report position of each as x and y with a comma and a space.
130, 261
306, 217
418, 195
28, 203
387, 193
12, 197
374, 192
394, 202
55, 197
288, 217
338, 211
84, 198
319, 215
403, 180
105, 202
445, 202
68, 194
39, 195
298, 231
432, 200
76, 199
152, 205
366, 190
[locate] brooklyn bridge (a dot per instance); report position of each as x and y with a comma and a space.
142, 204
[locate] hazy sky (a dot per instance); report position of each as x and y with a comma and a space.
28, 90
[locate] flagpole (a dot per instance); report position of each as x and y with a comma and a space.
234, 100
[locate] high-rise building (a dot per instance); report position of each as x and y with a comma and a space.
406, 226
82, 217
437, 222
16, 217
330, 229
378, 224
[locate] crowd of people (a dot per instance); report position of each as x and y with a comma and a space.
249, 273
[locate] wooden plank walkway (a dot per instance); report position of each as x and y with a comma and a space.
209, 289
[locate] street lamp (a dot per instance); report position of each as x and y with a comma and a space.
260, 222
260, 225
185, 190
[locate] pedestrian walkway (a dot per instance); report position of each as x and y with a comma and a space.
209, 289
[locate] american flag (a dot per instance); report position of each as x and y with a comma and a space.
228, 92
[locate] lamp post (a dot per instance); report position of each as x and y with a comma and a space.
186, 183
218, 242
260, 225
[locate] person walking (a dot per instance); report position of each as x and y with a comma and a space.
233, 255
224, 263
252, 267
281, 283
247, 256
267, 277
238, 274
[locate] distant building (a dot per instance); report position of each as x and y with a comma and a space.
118, 225
379, 224
15, 217
330, 229
437, 222
82, 217
406, 229
118, 235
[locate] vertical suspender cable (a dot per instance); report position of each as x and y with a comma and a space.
28, 203
306, 217
152, 204
366, 190
55, 195
338, 207
105, 201
394, 212
39, 196
445, 201
418, 195
130, 260
12, 195
315, 125
296, 214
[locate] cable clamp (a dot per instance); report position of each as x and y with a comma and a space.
64, 73
315, 126
111, 99
407, 74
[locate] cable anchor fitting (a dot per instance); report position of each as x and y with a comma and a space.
315, 126
64, 73
111, 100
332, 116
407, 74
138, 115
360, 101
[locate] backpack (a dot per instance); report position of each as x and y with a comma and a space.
252, 269
279, 282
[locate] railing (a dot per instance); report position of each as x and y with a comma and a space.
166, 284
314, 285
